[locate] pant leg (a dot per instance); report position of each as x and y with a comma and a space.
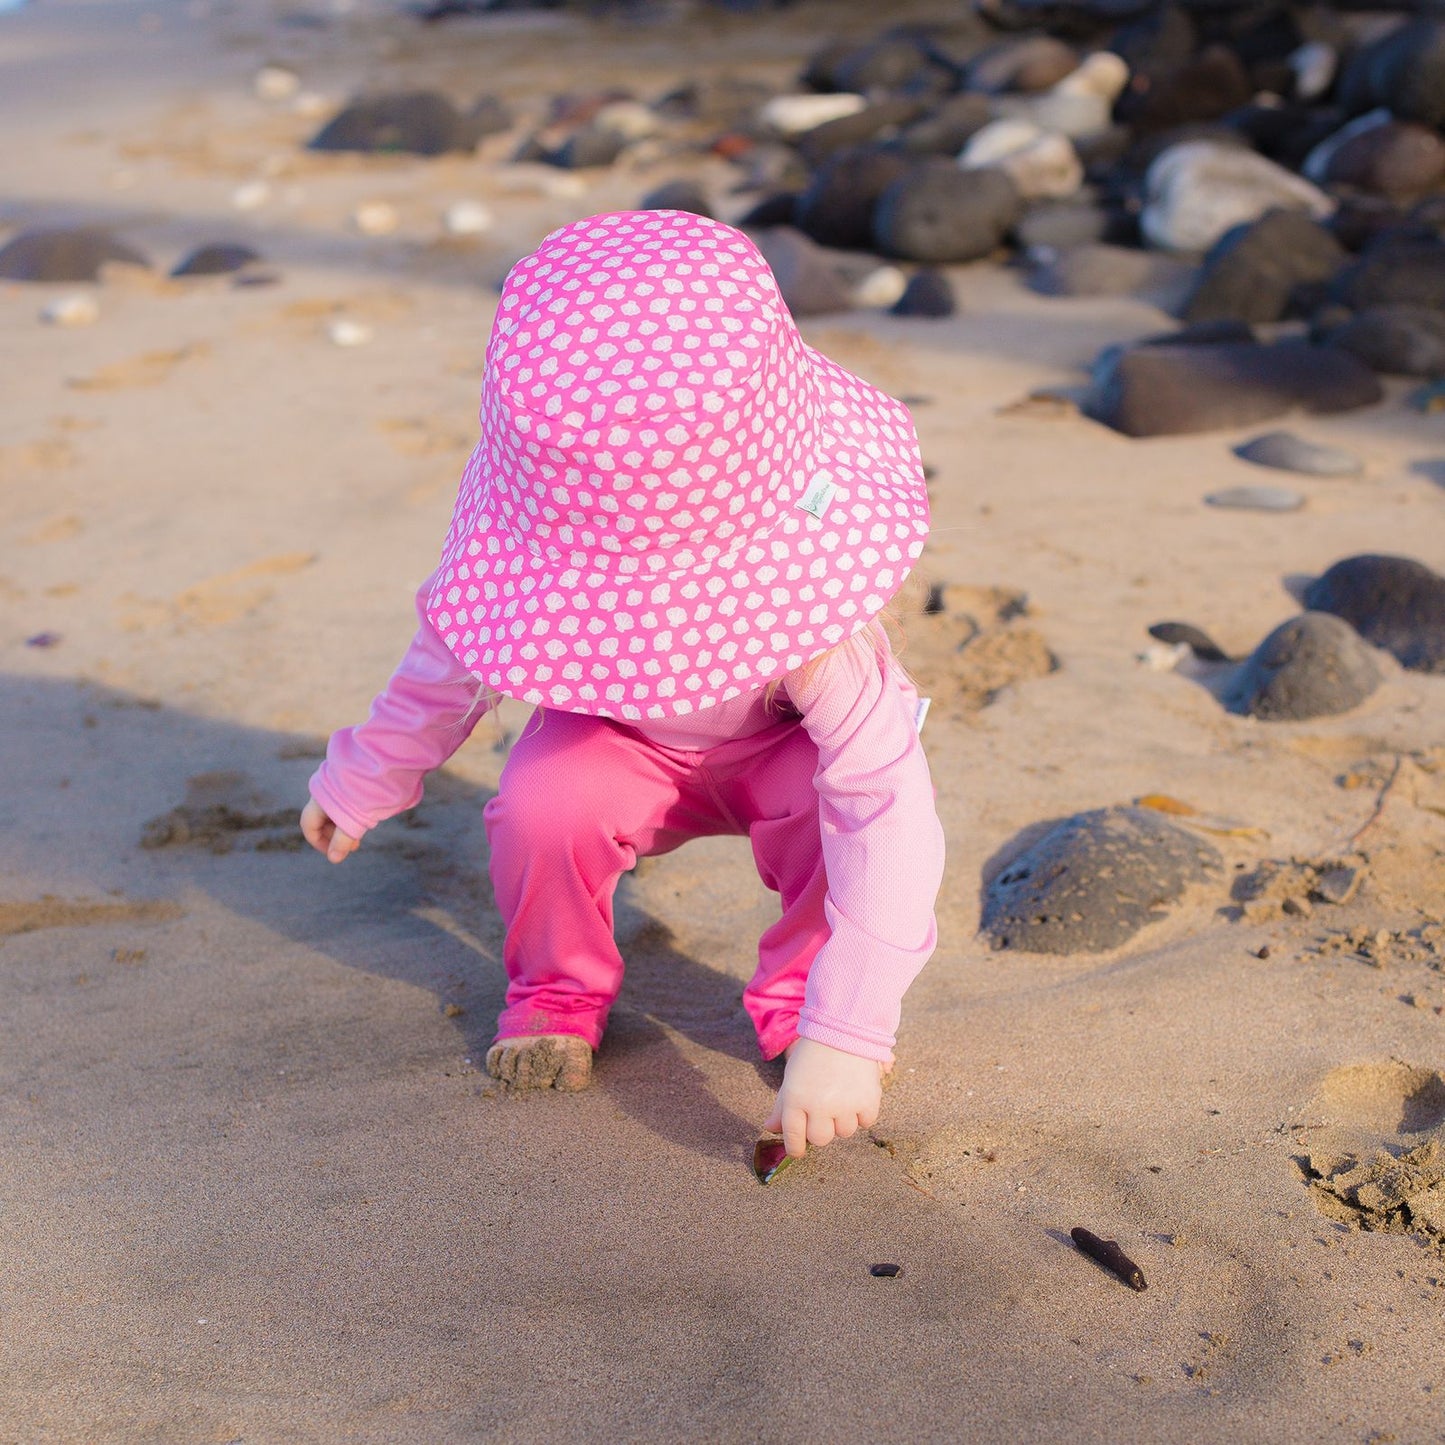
773, 794
580, 800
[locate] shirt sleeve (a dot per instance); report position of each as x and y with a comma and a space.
422, 716
882, 847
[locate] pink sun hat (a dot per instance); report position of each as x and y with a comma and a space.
674, 499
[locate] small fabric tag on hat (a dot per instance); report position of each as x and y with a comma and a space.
920, 712
819, 496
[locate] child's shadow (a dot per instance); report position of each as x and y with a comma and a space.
124, 796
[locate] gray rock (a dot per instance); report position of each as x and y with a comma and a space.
810, 283
928, 293
946, 129
1252, 272
419, 122
1093, 881
1060, 224
1397, 340
1257, 499
1025, 63
936, 213
1314, 665
217, 259
873, 122
1381, 155
1173, 390
838, 204
1404, 70
1395, 603
1099, 270
64, 255
1395, 272
1289, 453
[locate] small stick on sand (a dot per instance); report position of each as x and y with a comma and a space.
1108, 1253
1379, 804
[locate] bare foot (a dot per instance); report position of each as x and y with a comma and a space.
542, 1061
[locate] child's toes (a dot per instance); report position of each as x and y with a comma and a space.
548, 1061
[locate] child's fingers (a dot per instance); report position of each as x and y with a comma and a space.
341, 847
795, 1131
773, 1124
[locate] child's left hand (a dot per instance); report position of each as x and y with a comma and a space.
826, 1095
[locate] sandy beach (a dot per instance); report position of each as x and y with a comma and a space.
254, 1183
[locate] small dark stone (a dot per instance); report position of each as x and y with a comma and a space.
1397, 158
778, 210
874, 122
1404, 70
1393, 602
928, 293
419, 122
837, 206
945, 130
1397, 340
885, 1271
64, 255
894, 62
1093, 881
680, 195
1027, 63
1172, 390
936, 212
1252, 271
1314, 665
218, 259
1289, 453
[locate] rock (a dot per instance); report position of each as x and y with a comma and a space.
935, 212
251, 196
778, 210
1396, 340
215, 259
1058, 225
1315, 64
1040, 163
344, 332
1256, 499
946, 128
1381, 155
1197, 191
64, 255
1026, 63
1081, 105
837, 206
590, 146
1287, 134
1288, 453
879, 121
1099, 270
1204, 87
809, 282
1253, 270
419, 122
898, 62
275, 82
1314, 665
1093, 881
1393, 602
792, 115
928, 293
1171, 390
1404, 70
1401, 273
679, 195
879, 287
77, 309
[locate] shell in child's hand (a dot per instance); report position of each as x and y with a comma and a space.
770, 1158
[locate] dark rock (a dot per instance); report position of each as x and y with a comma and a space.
779, 210
1392, 158
1252, 271
1314, 665
1285, 133
64, 255
1027, 63
946, 129
679, 195
928, 293
1404, 70
1111, 271
810, 283
821, 71
1093, 881
935, 212
1394, 274
592, 145
1393, 602
1288, 453
219, 259
419, 122
837, 206
848, 131
894, 62
1204, 88
1397, 340
1061, 224
1172, 390
1360, 221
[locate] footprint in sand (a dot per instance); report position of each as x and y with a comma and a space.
219, 810
29, 915
1377, 1158
150, 368
217, 600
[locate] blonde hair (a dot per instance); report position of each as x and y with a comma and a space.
876, 639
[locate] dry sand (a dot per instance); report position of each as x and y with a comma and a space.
253, 1185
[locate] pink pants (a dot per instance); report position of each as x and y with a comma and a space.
582, 798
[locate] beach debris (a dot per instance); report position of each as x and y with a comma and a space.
1108, 1253
215, 259
1187, 635
275, 82
1387, 947
416, 122
77, 309
1394, 1193
1256, 499
885, 1271
1394, 603
65, 254
928, 293
1313, 665
1286, 452
1093, 880
1194, 817
770, 1158
1277, 888
344, 332
251, 196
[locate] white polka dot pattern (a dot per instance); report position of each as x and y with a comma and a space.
627, 540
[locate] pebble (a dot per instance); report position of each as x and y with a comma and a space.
881, 287
77, 309
1395, 272
251, 196
928, 293
467, 218
1042, 164
214, 259
679, 195
1092, 881
1077, 221
343, 332
1395, 603
1024, 63
1314, 665
1386, 157
1198, 190
376, 218
794, 115
419, 122
934, 212
1257, 499
1289, 453
878, 121
64, 255
275, 82
946, 128
1102, 270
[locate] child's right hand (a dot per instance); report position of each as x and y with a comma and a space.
324, 835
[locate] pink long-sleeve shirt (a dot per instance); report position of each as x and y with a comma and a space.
879, 831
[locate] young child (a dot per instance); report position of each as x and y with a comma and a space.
675, 538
